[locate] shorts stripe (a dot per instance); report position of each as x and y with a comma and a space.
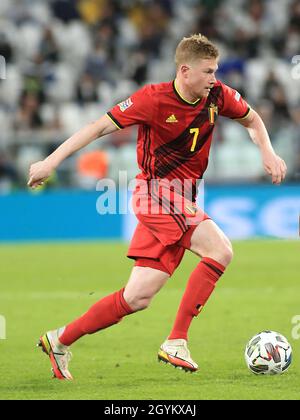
176, 217
176, 211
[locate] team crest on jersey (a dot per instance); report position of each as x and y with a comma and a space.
191, 210
212, 113
125, 104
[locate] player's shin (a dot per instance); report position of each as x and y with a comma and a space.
200, 286
108, 311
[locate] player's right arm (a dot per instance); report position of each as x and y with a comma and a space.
40, 171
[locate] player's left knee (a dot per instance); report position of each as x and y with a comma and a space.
222, 253
226, 253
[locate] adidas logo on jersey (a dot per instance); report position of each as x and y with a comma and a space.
171, 119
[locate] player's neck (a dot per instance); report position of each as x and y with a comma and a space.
184, 92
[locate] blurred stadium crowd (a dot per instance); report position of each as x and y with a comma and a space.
69, 61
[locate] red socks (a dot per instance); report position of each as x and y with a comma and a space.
111, 309
199, 288
108, 311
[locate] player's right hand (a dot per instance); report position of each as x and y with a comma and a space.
274, 166
38, 173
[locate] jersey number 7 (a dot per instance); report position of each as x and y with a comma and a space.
194, 131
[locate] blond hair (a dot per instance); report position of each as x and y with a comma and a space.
194, 47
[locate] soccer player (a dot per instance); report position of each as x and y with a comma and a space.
176, 122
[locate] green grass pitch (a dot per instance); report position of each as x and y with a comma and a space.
44, 286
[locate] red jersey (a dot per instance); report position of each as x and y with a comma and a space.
175, 135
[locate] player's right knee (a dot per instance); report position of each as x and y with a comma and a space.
138, 303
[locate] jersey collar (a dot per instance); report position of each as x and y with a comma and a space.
179, 96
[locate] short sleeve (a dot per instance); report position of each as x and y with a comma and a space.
234, 106
137, 109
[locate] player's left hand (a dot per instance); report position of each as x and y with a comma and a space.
274, 166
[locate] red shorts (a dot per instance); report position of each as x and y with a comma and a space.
160, 240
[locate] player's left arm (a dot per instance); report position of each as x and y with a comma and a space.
273, 164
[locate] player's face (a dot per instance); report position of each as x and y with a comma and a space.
201, 77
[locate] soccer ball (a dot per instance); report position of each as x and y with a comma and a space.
268, 353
